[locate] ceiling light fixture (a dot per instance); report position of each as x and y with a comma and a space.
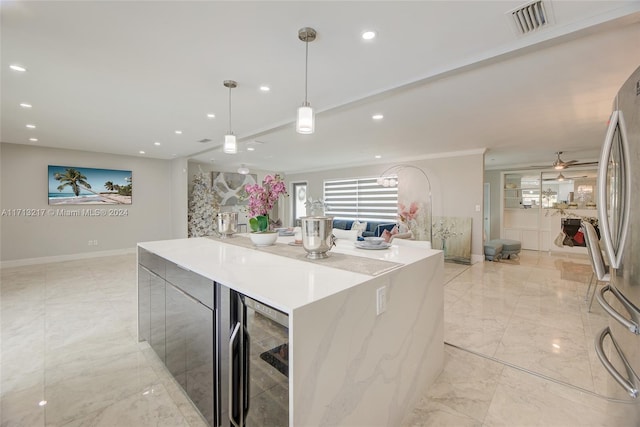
31, 126
305, 122
211, 116
230, 145
178, 132
377, 117
157, 144
369, 35
16, 67
265, 88
243, 170
25, 105
560, 177
251, 149
141, 152
378, 156
33, 139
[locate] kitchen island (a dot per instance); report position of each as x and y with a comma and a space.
347, 364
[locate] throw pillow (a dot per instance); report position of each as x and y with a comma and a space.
360, 226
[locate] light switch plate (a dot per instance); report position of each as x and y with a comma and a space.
381, 300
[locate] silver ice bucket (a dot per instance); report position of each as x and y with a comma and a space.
317, 239
227, 223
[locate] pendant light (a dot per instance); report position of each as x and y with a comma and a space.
230, 145
243, 170
305, 122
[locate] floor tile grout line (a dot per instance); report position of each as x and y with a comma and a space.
542, 376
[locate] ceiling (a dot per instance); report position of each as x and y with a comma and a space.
449, 77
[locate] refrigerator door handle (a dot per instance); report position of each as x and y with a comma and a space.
624, 382
627, 323
232, 388
246, 375
614, 253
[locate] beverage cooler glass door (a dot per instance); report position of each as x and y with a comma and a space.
254, 363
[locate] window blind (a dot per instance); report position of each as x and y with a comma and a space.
362, 199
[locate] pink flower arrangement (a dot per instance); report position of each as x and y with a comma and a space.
263, 197
407, 215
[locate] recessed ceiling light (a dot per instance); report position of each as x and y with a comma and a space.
378, 156
141, 152
211, 116
33, 139
178, 132
31, 126
251, 149
42, 403
25, 105
368, 35
16, 67
156, 143
377, 117
265, 88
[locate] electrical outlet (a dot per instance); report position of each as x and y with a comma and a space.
381, 300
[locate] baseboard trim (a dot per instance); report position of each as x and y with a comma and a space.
475, 258
59, 258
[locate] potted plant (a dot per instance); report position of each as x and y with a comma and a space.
261, 201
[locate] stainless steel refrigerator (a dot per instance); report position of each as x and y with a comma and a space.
618, 345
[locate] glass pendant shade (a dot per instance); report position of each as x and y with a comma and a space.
230, 146
306, 121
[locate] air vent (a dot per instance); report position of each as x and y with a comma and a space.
204, 141
530, 17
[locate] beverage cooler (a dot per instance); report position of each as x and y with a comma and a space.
618, 344
253, 365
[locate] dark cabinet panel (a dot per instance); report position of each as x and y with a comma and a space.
144, 304
152, 262
200, 358
177, 322
191, 283
189, 346
157, 317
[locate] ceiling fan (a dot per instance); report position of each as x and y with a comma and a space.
561, 177
559, 164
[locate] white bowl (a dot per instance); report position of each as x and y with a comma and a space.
373, 241
264, 239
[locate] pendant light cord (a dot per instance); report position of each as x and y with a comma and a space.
306, 68
230, 133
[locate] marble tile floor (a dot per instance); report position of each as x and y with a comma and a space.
520, 348
69, 354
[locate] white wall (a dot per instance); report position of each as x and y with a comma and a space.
179, 199
24, 185
457, 186
494, 180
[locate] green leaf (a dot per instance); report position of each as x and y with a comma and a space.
263, 222
253, 223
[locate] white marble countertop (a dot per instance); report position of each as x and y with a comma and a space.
281, 282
